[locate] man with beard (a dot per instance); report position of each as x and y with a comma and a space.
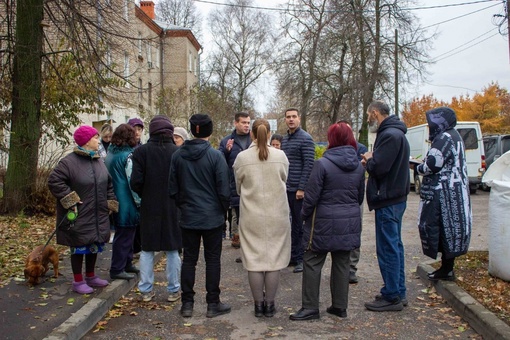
387, 189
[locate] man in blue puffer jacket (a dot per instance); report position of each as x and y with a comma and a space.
300, 151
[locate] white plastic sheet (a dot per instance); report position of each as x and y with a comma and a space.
498, 178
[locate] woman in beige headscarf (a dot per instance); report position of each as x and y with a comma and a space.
261, 173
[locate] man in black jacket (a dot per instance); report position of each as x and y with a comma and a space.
387, 189
199, 183
300, 150
239, 140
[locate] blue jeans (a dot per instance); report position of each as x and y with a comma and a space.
390, 250
173, 271
296, 234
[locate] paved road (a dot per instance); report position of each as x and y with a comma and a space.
427, 316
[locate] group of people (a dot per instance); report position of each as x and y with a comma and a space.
289, 209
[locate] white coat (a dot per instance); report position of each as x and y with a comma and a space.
264, 225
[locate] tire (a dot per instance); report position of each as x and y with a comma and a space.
485, 187
472, 189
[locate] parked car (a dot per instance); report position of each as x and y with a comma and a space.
495, 146
471, 134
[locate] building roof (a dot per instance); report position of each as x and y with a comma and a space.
165, 29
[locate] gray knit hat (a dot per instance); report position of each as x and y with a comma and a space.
181, 132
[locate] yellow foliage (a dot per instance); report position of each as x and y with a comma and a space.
490, 107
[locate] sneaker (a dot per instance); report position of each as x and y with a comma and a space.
174, 297
147, 297
353, 278
382, 305
95, 281
217, 309
404, 300
82, 288
298, 268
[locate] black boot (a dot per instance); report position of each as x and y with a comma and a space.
269, 309
259, 309
216, 309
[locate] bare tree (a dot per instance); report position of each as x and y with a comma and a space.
340, 56
244, 47
56, 60
304, 24
180, 13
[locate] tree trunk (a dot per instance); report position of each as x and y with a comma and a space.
21, 173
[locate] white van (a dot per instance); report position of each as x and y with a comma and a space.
417, 136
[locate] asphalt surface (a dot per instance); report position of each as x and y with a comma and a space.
53, 311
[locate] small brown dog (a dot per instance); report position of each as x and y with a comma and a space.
37, 263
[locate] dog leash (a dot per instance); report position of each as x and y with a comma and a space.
54, 231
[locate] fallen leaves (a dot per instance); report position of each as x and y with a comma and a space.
490, 291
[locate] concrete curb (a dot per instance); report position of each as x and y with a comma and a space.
81, 322
481, 319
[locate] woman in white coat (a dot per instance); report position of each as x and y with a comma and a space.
261, 172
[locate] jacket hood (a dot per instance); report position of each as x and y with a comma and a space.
440, 120
194, 149
392, 122
344, 157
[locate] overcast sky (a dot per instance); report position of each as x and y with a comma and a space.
470, 52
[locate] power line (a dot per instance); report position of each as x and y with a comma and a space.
336, 11
462, 50
460, 16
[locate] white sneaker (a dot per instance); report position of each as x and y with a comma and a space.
174, 297
147, 297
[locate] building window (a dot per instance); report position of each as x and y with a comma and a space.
126, 10
140, 90
149, 86
149, 55
139, 44
195, 65
158, 55
190, 62
126, 68
108, 61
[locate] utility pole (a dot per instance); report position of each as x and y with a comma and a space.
396, 74
508, 23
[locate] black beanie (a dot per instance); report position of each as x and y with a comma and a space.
161, 125
201, 125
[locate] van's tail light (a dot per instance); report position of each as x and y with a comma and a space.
484, 165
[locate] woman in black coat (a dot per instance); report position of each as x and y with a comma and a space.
81, 184
159, 229
332, 221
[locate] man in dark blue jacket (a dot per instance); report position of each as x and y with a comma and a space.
300, 150
199, 183
239, 140
387, 189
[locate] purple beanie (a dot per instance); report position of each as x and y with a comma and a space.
83, 134
135, 121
